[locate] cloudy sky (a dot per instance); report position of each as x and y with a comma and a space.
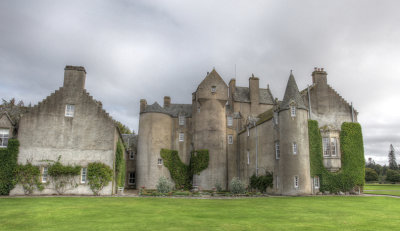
149, 49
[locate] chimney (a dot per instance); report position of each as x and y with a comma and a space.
232, 88
143, 104
74, 77
167, 101
254, 86
319, 76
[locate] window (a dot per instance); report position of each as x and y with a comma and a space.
326, 146
181, 137
230, 121
198, 108
248, 157
316, 182
333, 146
277, 151
181, 120
213, 89
160, 161
296, 181
83, 175
44, 174
69, 110
294, 147
293, 111
4, 134
131, 155
276, 118
277, 182
131, 179
230, 139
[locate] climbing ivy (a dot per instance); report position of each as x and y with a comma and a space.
8, 166
120, 165
183, 174
352, 172
62, 176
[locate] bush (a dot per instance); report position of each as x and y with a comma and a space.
237, 186
29, 177
63, 177
370, 175
99, 176
261, 183
8, 166
164, 185
218, 187
393, 176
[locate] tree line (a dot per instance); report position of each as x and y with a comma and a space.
386, 173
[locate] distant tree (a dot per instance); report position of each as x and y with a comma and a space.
123, 129
14, 110
393, 176
392, 159
370, 175
377, 167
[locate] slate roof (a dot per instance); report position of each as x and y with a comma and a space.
292, 93
173, 110
242, 94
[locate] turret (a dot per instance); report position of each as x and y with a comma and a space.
294, 159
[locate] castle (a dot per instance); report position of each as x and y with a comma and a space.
245, 129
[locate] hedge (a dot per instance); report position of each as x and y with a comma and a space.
8, 166
352, 173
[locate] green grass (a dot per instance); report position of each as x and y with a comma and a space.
274, 213
382, 189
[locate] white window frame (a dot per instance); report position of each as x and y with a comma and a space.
293, 111
181, 137
213, 89
229, 121
326, 146
277, 150
69, 110
4, 136
83, 175
333, 146
130, 178
248, 157
230, 139
296, 180
294, 148
181, 120
159, 161
45, 174
316, 182
131, 155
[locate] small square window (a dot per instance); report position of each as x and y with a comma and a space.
69, 110
213, 89
230, 121
44, 174
132, 178
181, 137
293, 111
131, 155
294, 147
83, 175
4, 135
277, 151
316, 182
296, 181
160, 161
230, 139
181, 120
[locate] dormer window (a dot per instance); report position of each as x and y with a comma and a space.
181, 120
69, 110
293, 111
4, 135
213, 89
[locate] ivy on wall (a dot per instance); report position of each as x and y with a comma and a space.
28, 176
183, 174
99, 175
120, 165
63, 177
8, 166
352, 172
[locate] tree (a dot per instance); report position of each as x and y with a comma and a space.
123, 129
370, 175
393, 176
392, 159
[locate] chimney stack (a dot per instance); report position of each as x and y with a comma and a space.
143, 104
74, 77
319, 75
167, 101
254, 86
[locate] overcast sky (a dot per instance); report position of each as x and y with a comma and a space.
149, 49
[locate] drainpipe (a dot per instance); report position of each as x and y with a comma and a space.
309, 101
256, 149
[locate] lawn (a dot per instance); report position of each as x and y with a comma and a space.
127, 213
383, 189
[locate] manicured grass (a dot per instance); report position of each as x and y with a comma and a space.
274, 213
382, 189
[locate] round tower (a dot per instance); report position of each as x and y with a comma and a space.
155, 129
294, 156
209, 125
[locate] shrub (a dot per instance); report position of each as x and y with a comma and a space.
63, 176
99, 176
29, 177
237, 186
370, 175
262, 182
8, 166
164, 185
218, 187
393, 176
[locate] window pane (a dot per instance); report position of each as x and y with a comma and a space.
333, 146
325, 146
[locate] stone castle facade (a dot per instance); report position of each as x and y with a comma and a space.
246, 130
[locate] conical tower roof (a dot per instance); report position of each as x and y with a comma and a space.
292, 94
